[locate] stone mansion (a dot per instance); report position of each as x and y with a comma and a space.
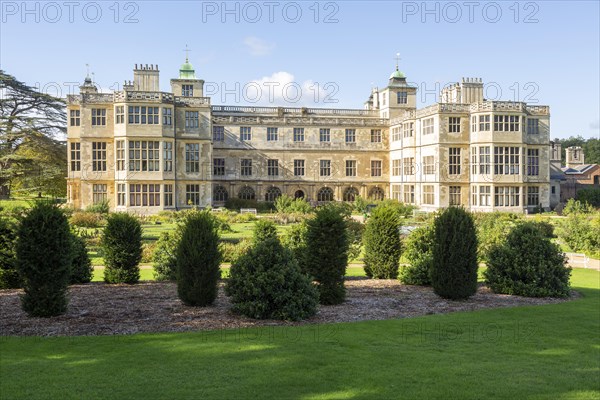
145, 150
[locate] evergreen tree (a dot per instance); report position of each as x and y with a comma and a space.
264, 229
327, 253
122, 248
528, 264
32, 156
266, 283
9, 275
198, 260
418, 251
454, 268
44, 259
81, 265
382, 243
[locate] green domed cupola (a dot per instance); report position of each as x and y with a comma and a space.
187, 70
397, 74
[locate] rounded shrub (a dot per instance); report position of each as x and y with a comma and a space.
86, 219
355, 231
492, 229
418, 250
164, 259
9, 275
198, 260
581, 233
264, 229
528, 264
382, 243
454, 268
294, 240
577, 207
232, 250
81, 266
327, 253
266, 283
122, 248
44, 258
545, 228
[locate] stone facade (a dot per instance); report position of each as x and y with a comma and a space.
144, 150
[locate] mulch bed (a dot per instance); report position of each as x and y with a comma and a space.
101, 309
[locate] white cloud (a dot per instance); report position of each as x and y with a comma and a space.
281, 89
257, 46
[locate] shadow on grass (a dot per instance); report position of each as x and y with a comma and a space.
533, 352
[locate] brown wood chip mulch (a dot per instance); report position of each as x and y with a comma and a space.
101, 309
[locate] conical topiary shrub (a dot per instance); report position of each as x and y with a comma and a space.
382, 243
454, 268
44, 259
327, 254
122, 248
198, 260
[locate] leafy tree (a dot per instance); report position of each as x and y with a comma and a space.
454, 268
577, 207
9, 275
382, 243
327, 253
418, 250
402, 209
590, 196
360, 204
45, 173
283, 203
122, 247
581, 233
266, 283
198, 260
565, 143
528, 264
44, 260
101, 207
591, 148
31, 124
492, 229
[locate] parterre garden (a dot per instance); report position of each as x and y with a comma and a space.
293, 265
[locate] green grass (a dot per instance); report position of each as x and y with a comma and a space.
146, 274
152, 232
10, 205
536, 352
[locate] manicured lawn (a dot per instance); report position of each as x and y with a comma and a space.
543, 352
145, 274
152, 232
9, 205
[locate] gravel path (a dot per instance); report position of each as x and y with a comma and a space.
102, 309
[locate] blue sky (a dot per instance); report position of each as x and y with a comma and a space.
545, 52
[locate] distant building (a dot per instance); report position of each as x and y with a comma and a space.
145, 150
577, 174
